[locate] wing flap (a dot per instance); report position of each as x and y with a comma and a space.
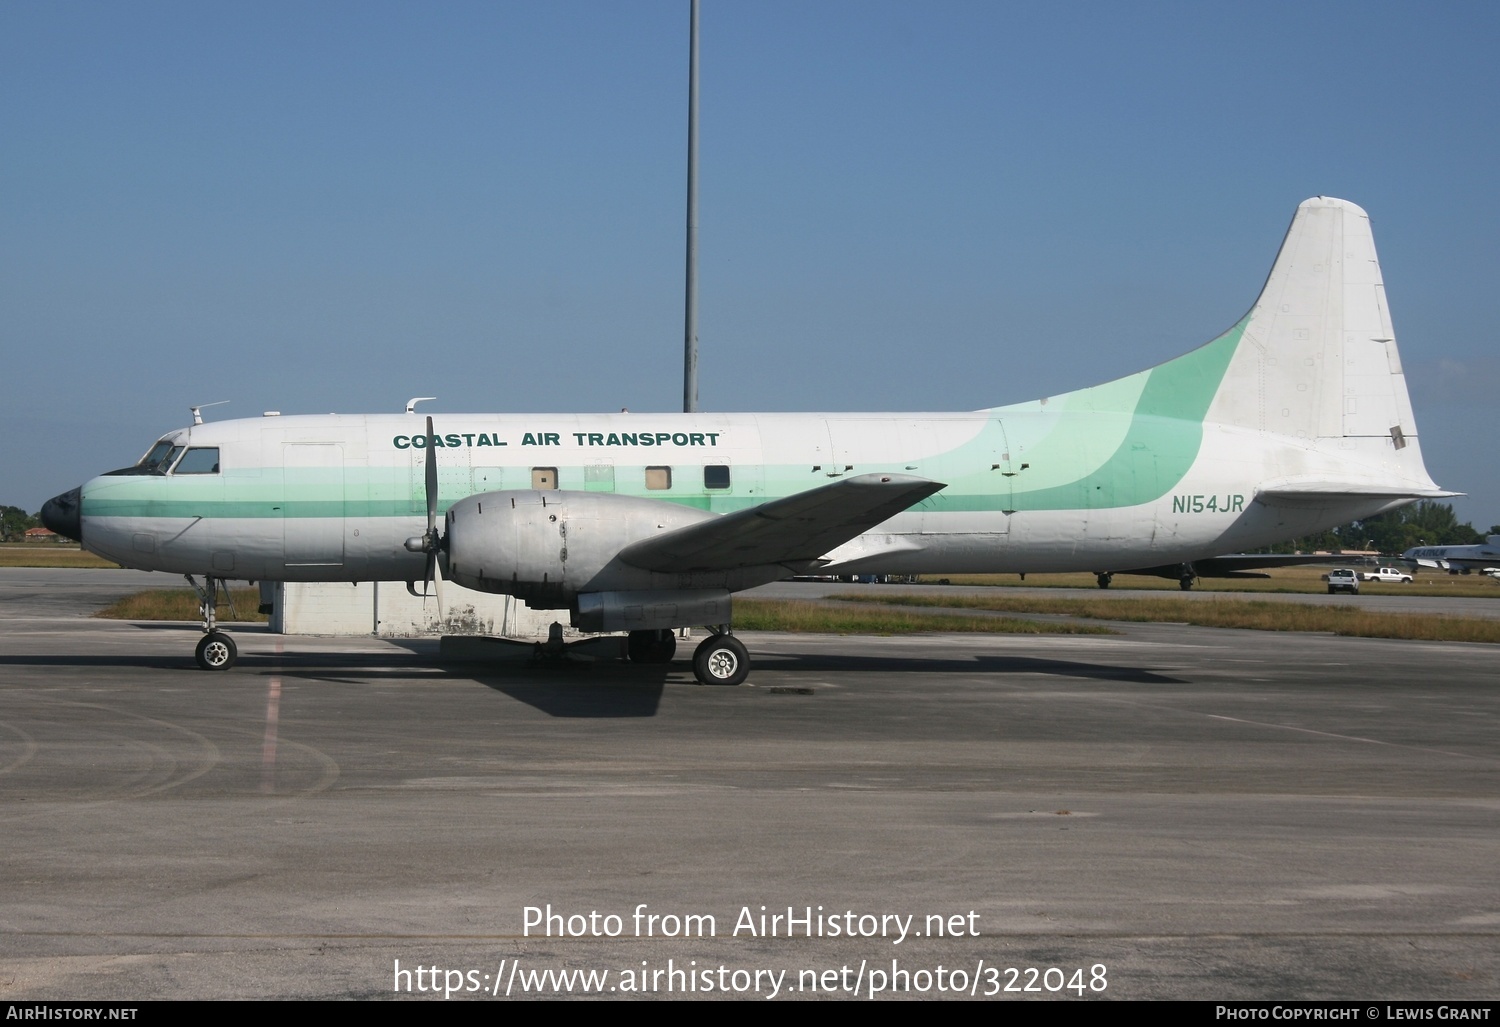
794, 531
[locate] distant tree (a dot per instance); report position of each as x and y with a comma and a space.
14, 522
1425, 523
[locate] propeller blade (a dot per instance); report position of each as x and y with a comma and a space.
437, 585
431, 542
432, 483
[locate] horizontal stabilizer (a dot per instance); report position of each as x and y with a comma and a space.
793, 531
1321, 491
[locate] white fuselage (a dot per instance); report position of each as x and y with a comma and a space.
335, 497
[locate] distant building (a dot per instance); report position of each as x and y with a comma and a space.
41, 535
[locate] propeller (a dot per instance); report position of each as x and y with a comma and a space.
430, 541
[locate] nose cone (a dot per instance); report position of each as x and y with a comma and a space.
64, 514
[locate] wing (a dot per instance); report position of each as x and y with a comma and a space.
794, 531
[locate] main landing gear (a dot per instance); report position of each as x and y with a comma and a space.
720, 659
216, 650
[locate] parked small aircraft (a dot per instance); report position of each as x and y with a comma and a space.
1294, 420
1484, 558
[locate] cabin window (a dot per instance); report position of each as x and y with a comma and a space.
658, 477
544, 477
200, 460
716, 476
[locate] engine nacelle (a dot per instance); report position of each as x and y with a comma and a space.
547, 546
654, 609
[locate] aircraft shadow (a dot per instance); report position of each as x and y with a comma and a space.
829, 663
581, 688
163, 661
195, 628
570, 687
577, 690
301, 665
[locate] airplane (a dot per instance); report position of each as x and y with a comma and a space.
1484, 558
1292, 421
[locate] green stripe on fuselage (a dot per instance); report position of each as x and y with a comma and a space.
1124, 443
1162, 433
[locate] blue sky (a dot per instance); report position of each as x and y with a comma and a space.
315, 207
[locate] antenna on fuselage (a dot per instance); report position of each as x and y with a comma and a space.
198, 410
411, 404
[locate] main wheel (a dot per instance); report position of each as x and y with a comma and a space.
651, 646
721, 660
216, 651
1185, 583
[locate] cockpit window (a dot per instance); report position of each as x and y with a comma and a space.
199, 460
154, 462
157, 461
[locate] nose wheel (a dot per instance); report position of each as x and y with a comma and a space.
721, 660
216, 651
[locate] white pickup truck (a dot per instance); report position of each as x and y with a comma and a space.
1386, 574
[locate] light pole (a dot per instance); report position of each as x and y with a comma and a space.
690, 313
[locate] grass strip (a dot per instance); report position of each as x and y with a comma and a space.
49, 554
795, 615
182, 604
1256, 615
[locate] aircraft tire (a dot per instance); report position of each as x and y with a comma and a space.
721, 660
1185, 583
651, 646
216, 651
1105, 579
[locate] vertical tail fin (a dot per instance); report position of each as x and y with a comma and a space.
1317, 359
1304, 395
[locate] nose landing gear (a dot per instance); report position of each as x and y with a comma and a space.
216, 650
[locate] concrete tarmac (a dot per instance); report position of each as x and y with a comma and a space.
1171, 812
